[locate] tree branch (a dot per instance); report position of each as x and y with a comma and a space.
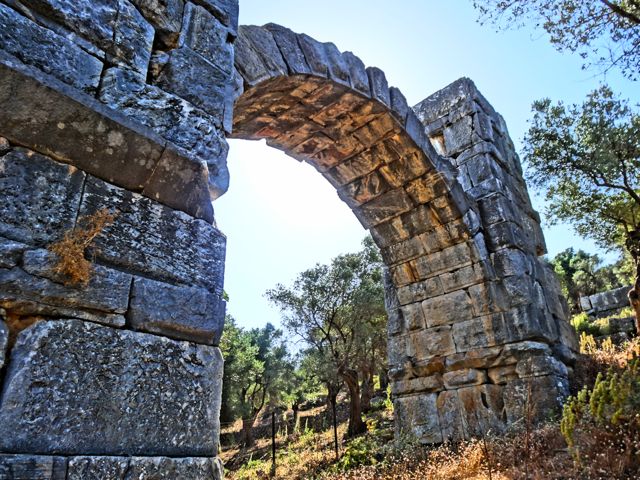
622, 12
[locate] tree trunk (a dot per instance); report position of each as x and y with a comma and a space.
384, 378
296, 408
356, 425
247, 432
366, 390
634, 296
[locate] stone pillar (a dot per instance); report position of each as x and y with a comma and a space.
101, 112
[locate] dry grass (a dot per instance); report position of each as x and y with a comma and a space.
71, 263
541, 454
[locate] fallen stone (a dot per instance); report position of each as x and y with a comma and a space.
36, 188
145, 468
47, 51
180, 312
151, 239
32, 467
117, 393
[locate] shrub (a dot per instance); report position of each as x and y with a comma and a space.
582, 324
602, 425
71, 263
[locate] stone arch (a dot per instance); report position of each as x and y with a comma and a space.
473, 314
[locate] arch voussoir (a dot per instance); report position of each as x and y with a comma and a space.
461, 330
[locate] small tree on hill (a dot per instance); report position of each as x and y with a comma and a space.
329, 307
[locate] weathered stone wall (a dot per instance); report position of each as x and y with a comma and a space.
605, 303
103, 109
124, 105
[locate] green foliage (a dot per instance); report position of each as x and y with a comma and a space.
256, 371
581, 274
609, 412
586, 158
603, 32
582, 324
360, 451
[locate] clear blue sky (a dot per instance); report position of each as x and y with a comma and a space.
281, 216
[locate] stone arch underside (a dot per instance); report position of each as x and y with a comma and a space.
474, 316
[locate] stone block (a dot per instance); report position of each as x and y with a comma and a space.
488, 298
191, 77
180, 312
114, 26
292, 54
418, 417
450, 416
417, 291
457, 137
50, 117
502, 375
224, 10
482, 408
451, 258
32, 467
4, 342
48, 51
144, 468
205, 35
379, 86
428, 384
426, 344
384, 207
116, 392
542, 397
465, 377
480, 358
538, 366
447, 309
93, 20
413, 316
40, 197
511, 261
165, 16
11, 252
151, 239
172, 118
181, 182
34, 288
357, 73
132, 39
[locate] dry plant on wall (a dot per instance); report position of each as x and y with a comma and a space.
71, 263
